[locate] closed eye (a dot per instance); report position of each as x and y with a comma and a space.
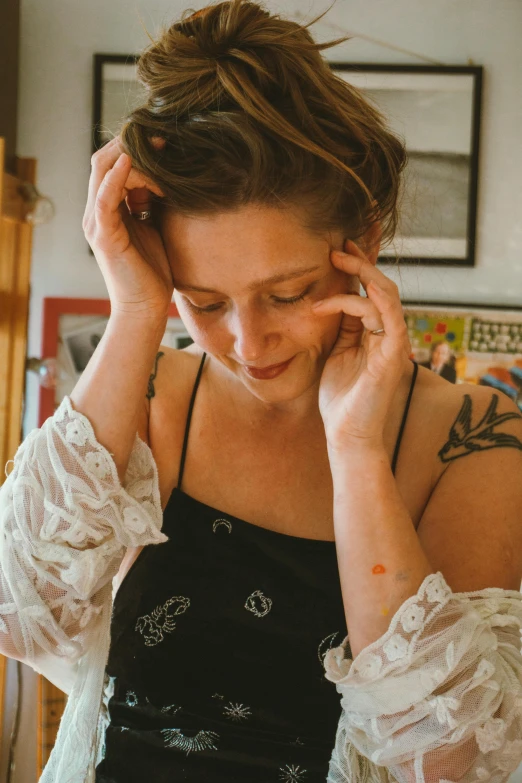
293, 299
276, 299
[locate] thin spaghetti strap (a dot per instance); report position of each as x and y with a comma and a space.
187, 425
405, 415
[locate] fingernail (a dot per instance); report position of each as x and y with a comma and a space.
317, 304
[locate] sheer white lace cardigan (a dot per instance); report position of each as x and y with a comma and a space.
437, 698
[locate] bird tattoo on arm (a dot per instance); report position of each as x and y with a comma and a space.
465, 439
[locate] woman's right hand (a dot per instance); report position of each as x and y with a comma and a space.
129, 252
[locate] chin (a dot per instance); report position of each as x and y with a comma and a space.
283, 389
278, 396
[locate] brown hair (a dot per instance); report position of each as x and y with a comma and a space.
252, 113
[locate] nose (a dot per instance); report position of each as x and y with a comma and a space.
254, 336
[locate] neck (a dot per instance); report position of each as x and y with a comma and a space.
283, 415
288, 417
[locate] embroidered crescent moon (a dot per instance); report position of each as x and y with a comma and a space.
204, 740
220, 522
326, 645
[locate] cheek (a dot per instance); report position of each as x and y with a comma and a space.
211, 339
310, 329
330, 329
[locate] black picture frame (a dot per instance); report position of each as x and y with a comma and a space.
466, 81
447, 180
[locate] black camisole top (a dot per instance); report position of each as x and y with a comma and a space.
216, 656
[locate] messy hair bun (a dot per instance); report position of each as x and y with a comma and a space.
252, 113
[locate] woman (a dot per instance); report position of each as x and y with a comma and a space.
442, 361
248, 492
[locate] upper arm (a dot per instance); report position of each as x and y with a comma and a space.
471, 528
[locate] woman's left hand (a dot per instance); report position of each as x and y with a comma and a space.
362, 373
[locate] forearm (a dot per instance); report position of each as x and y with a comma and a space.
112, 388
381, 561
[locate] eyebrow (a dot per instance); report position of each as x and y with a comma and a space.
257, 284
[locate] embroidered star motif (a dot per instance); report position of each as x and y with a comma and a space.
236, 712
291, 774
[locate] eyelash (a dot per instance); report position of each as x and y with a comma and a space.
292, 301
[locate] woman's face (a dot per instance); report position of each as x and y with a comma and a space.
244, 285
441, 353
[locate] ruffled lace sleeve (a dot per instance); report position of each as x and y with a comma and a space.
65, 524
438, 698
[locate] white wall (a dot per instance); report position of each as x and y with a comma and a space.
59, 38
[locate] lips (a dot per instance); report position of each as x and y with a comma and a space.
266, 373
269, 367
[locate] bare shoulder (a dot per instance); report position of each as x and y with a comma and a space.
172, 362
470, 527
170, 383
467, 418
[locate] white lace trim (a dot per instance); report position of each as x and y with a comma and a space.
66, 523
445, 679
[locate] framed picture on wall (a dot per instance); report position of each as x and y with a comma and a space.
78, 344
436, 111
116, 92
466, 343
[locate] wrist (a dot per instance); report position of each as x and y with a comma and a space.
138, 323
356, 452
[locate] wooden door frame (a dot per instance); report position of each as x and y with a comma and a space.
15, 269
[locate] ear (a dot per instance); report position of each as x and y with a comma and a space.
136, 180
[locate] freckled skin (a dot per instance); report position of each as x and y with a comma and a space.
378, 569
229, 252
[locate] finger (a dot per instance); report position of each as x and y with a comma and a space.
354, 305
101, 161
110, 195
105, 158
392, 316
356, 263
